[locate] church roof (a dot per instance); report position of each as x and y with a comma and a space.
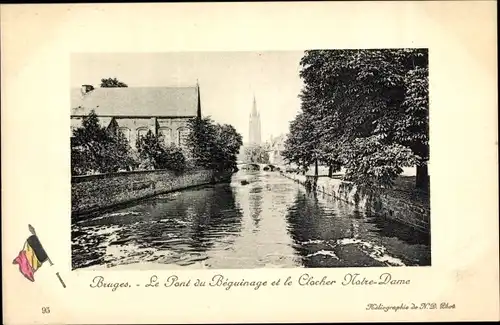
103, 122
136, 101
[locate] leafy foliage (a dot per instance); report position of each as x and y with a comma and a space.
371, 163
300, 146
256, 154
364, 109
213, 145
112, 83
95, 149
154, 154
229, 142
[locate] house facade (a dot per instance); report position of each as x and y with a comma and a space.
134, 111
276, 147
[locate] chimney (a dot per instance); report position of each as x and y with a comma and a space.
86, 89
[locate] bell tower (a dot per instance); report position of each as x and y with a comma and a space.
254, 124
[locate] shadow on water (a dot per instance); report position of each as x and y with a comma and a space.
316, 228
269, 222
301, 223
392, 228
387, 227
329, 233
159, 229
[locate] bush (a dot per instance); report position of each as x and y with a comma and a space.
256, 154
172, 158
95, 149
154, 154
212, 145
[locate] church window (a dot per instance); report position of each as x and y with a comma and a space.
182, 134
166, 133
125, 131
141, 132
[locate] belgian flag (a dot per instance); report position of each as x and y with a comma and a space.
31, 257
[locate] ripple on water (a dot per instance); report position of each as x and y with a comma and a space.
377, 252
271, 222
324, 253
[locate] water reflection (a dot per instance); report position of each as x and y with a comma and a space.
178, 228
331, 233
270, 222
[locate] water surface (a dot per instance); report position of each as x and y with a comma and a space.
270, 222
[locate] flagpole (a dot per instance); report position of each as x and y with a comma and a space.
61, 280
32, 230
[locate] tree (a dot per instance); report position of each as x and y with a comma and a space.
256, 154
154, 154
229, 143
96, 149
413, 130
201, 141
212, 145
303, 148
351, 97
371, 163
112, 83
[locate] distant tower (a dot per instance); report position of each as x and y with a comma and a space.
254, 124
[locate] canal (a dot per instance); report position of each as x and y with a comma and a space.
270, 222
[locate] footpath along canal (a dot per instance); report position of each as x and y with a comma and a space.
269, 222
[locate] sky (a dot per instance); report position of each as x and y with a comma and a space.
228, 81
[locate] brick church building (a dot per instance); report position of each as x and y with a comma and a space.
136, 110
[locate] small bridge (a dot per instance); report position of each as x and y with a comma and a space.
257, 166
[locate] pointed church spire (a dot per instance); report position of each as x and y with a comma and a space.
254, 107
198, 111
255, 131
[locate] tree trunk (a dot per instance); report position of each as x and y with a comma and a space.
330, 171
316, 168
422, 179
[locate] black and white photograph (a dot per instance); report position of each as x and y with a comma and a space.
260, 162
244, 160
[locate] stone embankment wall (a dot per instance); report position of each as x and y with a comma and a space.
399, 205
96, 192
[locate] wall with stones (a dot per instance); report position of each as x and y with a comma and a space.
389, 203
96, 192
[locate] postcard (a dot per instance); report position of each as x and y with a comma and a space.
249, 162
